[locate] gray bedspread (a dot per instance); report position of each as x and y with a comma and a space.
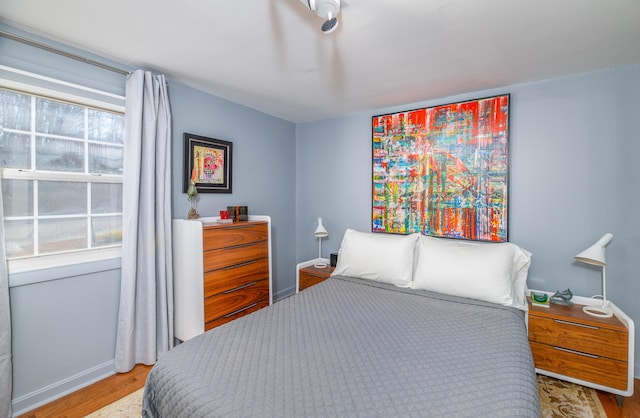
353, 348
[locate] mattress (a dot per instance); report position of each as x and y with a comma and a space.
349, 347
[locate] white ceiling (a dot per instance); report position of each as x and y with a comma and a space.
270, 55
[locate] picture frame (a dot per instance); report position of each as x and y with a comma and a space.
208, 163
443, 170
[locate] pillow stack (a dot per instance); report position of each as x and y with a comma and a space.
492, 272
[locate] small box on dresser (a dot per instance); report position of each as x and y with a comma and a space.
221, 272
569, 344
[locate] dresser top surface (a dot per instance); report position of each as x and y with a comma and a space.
238, 224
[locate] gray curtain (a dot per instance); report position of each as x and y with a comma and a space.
145, 319
5, 326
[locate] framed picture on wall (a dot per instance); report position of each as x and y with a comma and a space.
443, 170
207, 163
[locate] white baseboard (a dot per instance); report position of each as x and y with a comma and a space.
284, 293
42, 396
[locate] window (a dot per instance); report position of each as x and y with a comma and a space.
61, 165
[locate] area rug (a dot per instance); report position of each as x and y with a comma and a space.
558, 399
561, 399
128, 407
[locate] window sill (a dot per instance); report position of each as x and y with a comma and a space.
59, 266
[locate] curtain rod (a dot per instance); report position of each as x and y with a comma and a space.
61, 52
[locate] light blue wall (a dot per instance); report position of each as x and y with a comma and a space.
263, 168
574, 148
63, 325
64, 319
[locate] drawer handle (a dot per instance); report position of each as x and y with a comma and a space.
239, 226
576, 324
317, 275
246, 245
240, 287
240, 310
580, 353
240, 265
241, 245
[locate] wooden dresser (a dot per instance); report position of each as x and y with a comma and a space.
569, 344
221, 272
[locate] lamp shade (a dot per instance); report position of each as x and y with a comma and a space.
595, 254
320, 231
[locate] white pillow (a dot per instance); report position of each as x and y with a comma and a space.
521, 261
493, 272
386, 258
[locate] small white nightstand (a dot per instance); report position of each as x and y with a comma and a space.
307, 275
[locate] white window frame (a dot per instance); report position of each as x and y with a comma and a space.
45, 261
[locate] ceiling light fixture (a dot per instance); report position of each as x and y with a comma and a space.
328, 10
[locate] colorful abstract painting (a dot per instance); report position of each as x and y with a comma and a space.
443, 171
207, 164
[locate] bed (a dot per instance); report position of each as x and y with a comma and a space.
356, 346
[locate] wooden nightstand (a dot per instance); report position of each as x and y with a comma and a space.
308, 275
569, 344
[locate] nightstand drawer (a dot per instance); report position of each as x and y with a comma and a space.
310, 279
312, 275
575, 336
599, 370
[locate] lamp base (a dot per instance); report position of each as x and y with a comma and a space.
602, 312
320, 265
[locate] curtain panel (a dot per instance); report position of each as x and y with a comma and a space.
6, 366
145, 319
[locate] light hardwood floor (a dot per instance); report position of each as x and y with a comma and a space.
93, 397
100, 394
630, 406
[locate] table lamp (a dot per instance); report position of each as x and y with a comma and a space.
594, 255
320, 233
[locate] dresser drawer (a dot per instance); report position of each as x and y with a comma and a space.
599, 370
222, 280
236, 299
235, 234
236, 314
579, 337
231, 256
